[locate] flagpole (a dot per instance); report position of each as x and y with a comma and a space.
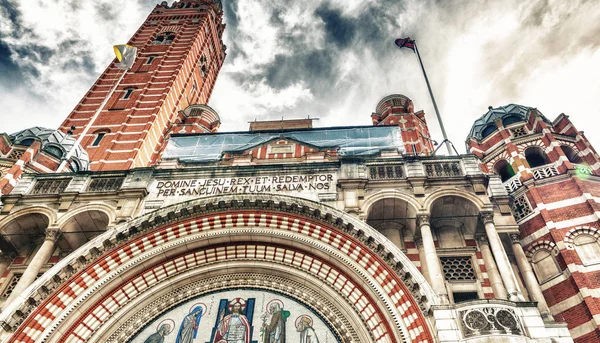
437, 112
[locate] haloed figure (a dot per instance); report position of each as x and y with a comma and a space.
274, 332
234, 327
189, 326
307, 333
159, 336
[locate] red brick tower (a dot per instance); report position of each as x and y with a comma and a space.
552, 175
397, 109
180, 53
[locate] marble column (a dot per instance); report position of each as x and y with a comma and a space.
501, 258
422, 259
492, 269
34, 267
434, 268
531, 283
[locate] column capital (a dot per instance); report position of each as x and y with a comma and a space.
52, 234
422, 219
482, 239
515, 238
418, 242
487, 217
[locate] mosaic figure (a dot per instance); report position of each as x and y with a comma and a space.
234, 327
274, 332
159, 335
189, 325
304, 325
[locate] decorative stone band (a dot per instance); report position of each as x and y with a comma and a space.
389, 271
251, 256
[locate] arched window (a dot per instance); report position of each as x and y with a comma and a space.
587, 248
510, 120
488, 130
54, 151
536, 157
504, 169
544, 265
571, 154
26, 142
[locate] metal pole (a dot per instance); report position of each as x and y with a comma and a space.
89, 125
437, 112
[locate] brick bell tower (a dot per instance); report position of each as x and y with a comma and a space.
180, 53
397, 109
551, 172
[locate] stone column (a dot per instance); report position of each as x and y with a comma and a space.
531, 283
422, 259
434, 268
501, 258
33, 269
492, 269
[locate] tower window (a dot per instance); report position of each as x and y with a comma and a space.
536, 157
128, 93
504, 169
150, 59
98, 138
544, 265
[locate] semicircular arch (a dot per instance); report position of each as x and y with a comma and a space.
432, 197
43, 210
100, 207
387, 194
313, 221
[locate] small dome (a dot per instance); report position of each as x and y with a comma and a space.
508, 114
55, 143
395, 100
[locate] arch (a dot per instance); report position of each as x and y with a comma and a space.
572, 154
24, 228
299, 224
536, 157
504, 169
488, 130
444, 192
390, 193
106, 209
585, 240
511, 119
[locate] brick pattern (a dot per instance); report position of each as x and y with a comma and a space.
93, 274
560, 208
13, 175
136, 128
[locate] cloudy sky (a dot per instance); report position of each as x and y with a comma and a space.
330, 59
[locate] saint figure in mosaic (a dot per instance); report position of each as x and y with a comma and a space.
304, 325
274, 331
189, 325
234, 327
159, 335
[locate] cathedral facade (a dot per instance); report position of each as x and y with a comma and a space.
138, 221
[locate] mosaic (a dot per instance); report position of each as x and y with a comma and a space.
238, 316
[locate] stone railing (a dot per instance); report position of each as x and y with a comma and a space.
386, 172
443, 169
513, 183
544, 171
53, 186
489, 320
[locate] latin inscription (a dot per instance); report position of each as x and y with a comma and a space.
254, 184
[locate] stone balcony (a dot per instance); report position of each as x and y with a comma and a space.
486, 321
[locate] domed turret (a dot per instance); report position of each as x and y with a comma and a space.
507, 115
398, 109
55, 143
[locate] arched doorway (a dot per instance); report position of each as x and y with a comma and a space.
312, 258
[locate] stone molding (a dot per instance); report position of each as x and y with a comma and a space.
422, 292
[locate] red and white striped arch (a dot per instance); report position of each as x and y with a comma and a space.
338, 259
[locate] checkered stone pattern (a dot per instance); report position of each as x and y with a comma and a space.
382, 277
